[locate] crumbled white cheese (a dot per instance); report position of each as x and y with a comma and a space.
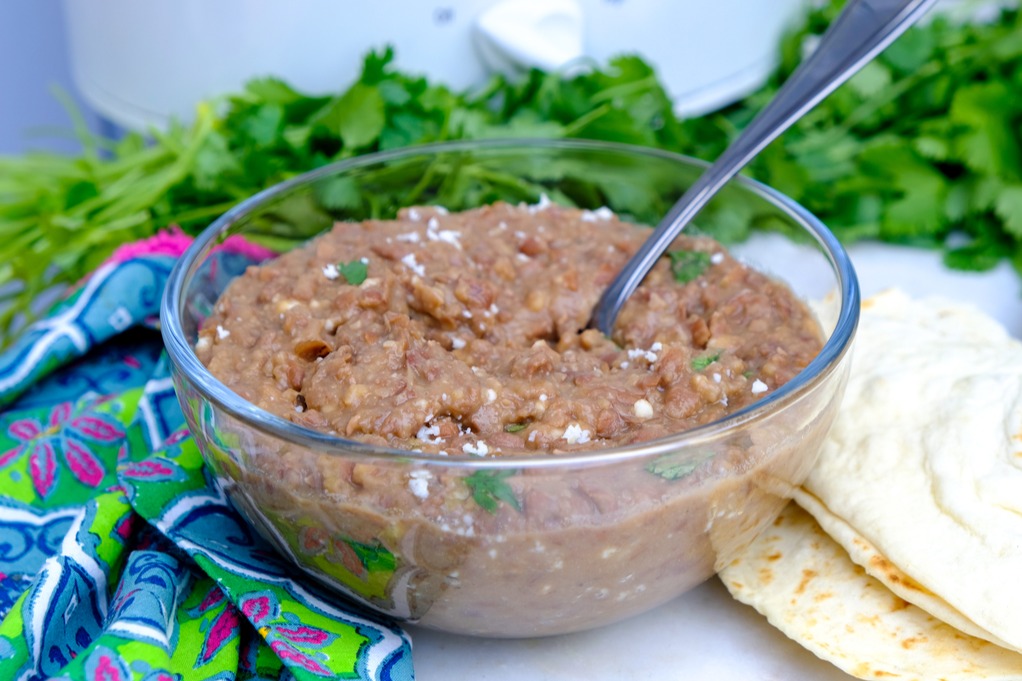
418, 483
299, 408
625, 365
414, 215
409, 237
204, 342
543, 203
643, 409
542, 397
440, 210
716, 377
446, 235
602, 213
412, 264
457, 343
574, 434
493, 308
717, 258
723, 400
532, 436
649, 355
429, 434
331, 272
477, 449
758, 387
491, 395
221, 332
433, 223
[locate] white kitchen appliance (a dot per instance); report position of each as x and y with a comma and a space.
139, 63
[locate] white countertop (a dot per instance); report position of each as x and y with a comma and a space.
705, 634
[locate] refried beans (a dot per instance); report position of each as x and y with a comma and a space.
464, 333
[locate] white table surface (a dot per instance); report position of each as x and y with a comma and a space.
705, 634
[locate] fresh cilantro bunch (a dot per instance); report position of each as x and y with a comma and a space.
60, 216
922, 147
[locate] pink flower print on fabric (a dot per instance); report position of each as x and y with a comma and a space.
303, 635
67, 434
289, 653
225, 628
103, 664
259, 609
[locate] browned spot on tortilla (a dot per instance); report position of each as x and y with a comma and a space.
911, 641
898, 604
775, 556
1017, 436
766, 575
862, 670
779, 521
807, 576
881, 566
871, 620
879, 673
735, 562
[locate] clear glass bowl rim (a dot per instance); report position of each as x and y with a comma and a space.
222, 397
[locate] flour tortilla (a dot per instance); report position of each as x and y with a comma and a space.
866, 556
806, 586
924, 463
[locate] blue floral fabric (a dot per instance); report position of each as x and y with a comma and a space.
119, 557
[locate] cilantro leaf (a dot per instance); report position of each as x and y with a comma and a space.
700, 363
688, 265
515, 427
357, 116
489, 488
354, 272
677, 466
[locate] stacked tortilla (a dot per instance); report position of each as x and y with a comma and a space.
903, 557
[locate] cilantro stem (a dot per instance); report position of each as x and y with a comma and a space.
585, 119
197, 214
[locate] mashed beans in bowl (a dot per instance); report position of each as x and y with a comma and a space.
505, 471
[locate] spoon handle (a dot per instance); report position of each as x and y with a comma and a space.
862, 30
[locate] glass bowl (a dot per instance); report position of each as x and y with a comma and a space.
509, 551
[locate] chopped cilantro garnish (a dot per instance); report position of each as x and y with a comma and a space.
515, 427
354, 272
700, 363
688, 265
489, 488
676, 466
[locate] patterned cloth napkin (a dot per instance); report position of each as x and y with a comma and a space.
119, 559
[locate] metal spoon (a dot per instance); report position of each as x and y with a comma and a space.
862, 30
